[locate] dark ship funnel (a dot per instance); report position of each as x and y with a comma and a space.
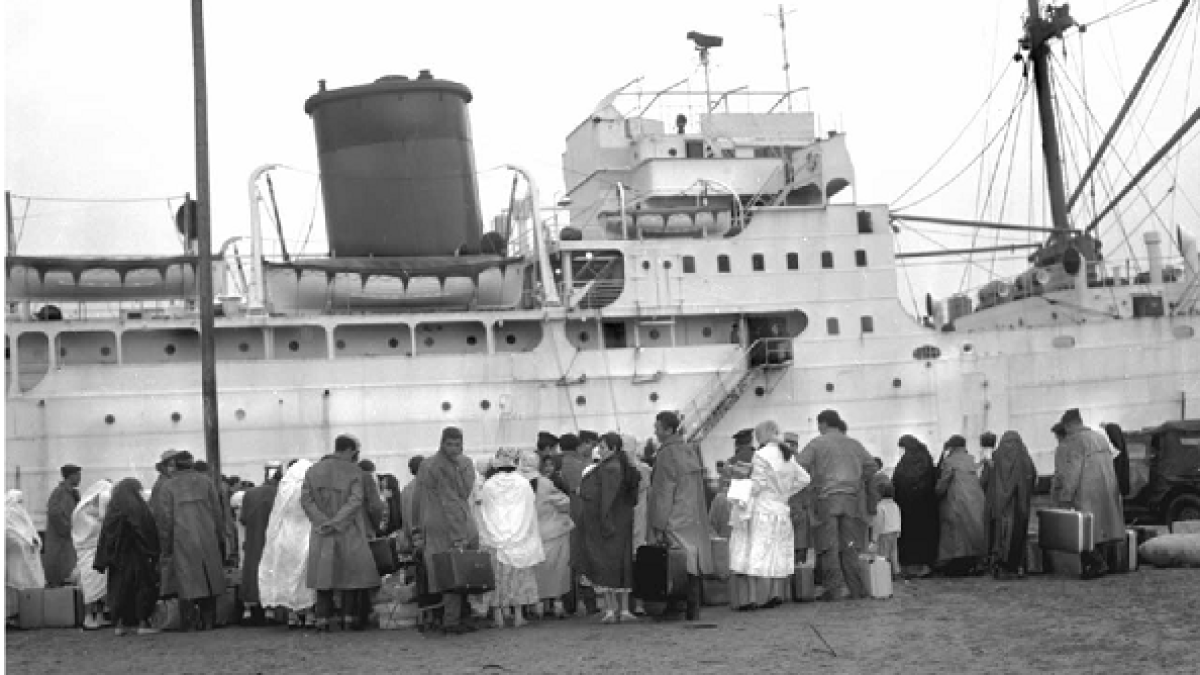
397, 168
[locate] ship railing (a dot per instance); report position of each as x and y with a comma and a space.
725, 387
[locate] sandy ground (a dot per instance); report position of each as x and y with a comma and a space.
1144, 622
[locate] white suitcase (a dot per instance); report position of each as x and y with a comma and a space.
876, 575
1132, 542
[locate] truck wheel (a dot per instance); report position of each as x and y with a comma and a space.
1183, 507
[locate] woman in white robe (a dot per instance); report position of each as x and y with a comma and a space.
761, 554
22, 546
283, 570
86, 522
508, 529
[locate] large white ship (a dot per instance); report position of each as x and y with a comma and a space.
717, 265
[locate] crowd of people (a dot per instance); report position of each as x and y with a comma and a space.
561, 524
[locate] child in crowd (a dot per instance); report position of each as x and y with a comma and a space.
885, 527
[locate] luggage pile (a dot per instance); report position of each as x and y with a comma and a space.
46, 607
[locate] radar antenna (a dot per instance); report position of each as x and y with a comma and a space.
703, 44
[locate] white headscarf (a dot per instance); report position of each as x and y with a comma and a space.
508, 520
283, 571
22, 563
88, 516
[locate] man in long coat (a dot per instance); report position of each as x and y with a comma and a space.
339, 558
256, 514
572, 462
191, 534
59, 558
678, 504
1084, 479
442, 514
407, 496
841, 471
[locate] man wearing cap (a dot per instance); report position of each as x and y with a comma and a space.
547, 444
743, 447
339, 558
59, 558
841, 470
1084, 480
191, 535
678, 514
588, 440
442, 515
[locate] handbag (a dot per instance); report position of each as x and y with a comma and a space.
384, 552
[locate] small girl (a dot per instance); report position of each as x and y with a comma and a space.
885, 527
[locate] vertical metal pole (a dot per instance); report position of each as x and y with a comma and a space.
1039, 50
787, 74
208, 356
12, 237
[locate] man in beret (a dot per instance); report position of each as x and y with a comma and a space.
743, 447
191, 535
841, 472
442, 516
547, 444
59, 558
1084, 480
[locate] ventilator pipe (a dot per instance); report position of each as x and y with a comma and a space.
1154, 253
256, 246
549, 288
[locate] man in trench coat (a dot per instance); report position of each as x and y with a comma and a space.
191, 533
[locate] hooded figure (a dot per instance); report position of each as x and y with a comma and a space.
128, 553
255, 515
962, 537
553, 575
22, 564
1010, 483
914, 481
283, 569
86, 522
608, 496
508, 528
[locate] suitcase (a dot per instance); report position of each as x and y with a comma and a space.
1185, 527
167, 615
30, 608
876, 574
384, 552
803, 583
1063, 564
1131, 543
229, 608
1065, 530
720, 556
62, 607
464, 571
1116, 555
659, 573
715, 592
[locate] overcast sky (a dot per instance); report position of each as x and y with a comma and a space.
98, 96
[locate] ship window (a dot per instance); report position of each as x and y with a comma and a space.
471, 340
868, 324
927, 353
584, 337
654, 334
860, 258
694, 149
864, 222
707, 331
827, 260
793, 261
1063, 341
689, 264
757, 262
723, 264
831, 325
581, 400
511, 339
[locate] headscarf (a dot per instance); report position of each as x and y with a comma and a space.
506, 458
914, 476
127, 505
283, 571
88, 517
529, 465
507, 519
17, 523
1012, 474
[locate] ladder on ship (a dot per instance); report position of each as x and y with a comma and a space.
762, 358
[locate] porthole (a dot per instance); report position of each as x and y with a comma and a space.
584, 337
580, 400
654, 397
511, 339
170, 350
245, 347
240, 414
968, 348
428, 342
654, 334
471, 340
293, 346
446, 406
896, 382
1063, 342
394, 343
666, 264
175, 417
340, 344
109, 419
645, 264
485, 404
706, 331
760, 391
829, 386
105, 351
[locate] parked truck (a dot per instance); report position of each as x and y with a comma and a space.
1163, 483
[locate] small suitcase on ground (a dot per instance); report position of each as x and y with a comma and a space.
1065, 530
167, 615
1131, 544
1185, 527
1063, 564
384, 552
876, 575
30, 608
62, 607
659, 573
803, 583
1116, 555
229, 608
720, 556
464, 571
715, 592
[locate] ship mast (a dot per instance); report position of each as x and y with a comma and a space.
1038, 31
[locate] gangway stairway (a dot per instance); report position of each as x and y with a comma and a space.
720, 394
